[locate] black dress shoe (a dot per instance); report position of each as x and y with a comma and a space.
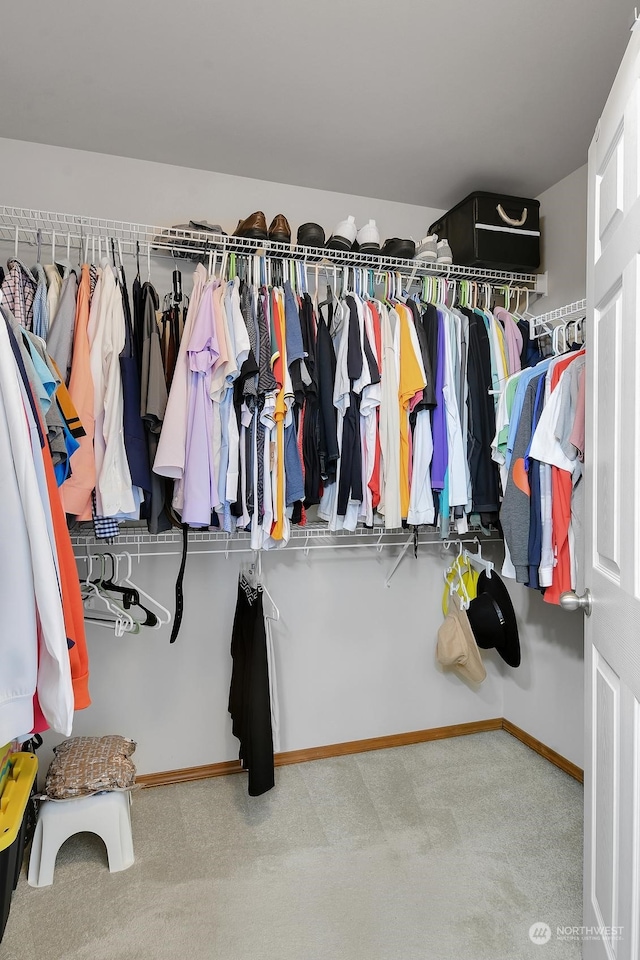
400, 249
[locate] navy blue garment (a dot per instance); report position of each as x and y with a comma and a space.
138, 322
482, 422
135, 441
327, 414
350, 481
530, 353
152, 412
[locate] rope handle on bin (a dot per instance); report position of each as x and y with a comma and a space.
507, 219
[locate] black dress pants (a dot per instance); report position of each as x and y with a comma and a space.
249, 701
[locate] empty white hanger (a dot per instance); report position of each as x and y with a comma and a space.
134, 586
478, 561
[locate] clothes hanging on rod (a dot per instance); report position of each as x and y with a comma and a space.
372, 408
539, 444
45, 664
112, 412
343, 403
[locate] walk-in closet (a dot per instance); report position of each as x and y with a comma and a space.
319, 559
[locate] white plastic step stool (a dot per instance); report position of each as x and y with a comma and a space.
106, 814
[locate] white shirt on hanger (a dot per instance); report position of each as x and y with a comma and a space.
114, 492
34, 597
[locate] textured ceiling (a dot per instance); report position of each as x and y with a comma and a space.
411, 100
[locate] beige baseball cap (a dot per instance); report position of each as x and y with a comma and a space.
457, 647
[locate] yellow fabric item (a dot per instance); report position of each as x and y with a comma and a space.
13, 801
503, 351
460, 570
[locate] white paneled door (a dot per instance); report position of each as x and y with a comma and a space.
612, 552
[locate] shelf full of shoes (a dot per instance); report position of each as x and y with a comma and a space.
200, 241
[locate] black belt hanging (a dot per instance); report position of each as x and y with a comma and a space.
177, 619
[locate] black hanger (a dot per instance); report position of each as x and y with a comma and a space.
130, 597
177, 286
128, 593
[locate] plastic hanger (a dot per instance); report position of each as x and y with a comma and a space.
558, 332
455, 582
90, 591
270, 609
130, 595
162, 621
134, 625
478, 562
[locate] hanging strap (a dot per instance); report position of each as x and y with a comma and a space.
177, 619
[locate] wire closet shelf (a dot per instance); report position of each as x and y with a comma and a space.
545, 322
21, 224
315, 535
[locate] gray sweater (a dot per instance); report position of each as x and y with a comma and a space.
516, 505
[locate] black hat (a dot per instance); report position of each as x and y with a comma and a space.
493, 619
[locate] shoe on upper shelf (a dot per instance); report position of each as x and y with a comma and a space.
399, 249
186, 248
280, 231
310, 235
254, 227
427, 248
368, 238
444, 254
203, 226
344, 235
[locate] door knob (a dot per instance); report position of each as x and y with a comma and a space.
571, 601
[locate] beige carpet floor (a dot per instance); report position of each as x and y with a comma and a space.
451, 849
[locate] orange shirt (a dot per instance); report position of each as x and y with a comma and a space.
72, 608
411, 382
561, 489
76, 490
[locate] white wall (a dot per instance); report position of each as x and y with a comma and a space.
97, 185
563, 212
546, 696
354, 660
